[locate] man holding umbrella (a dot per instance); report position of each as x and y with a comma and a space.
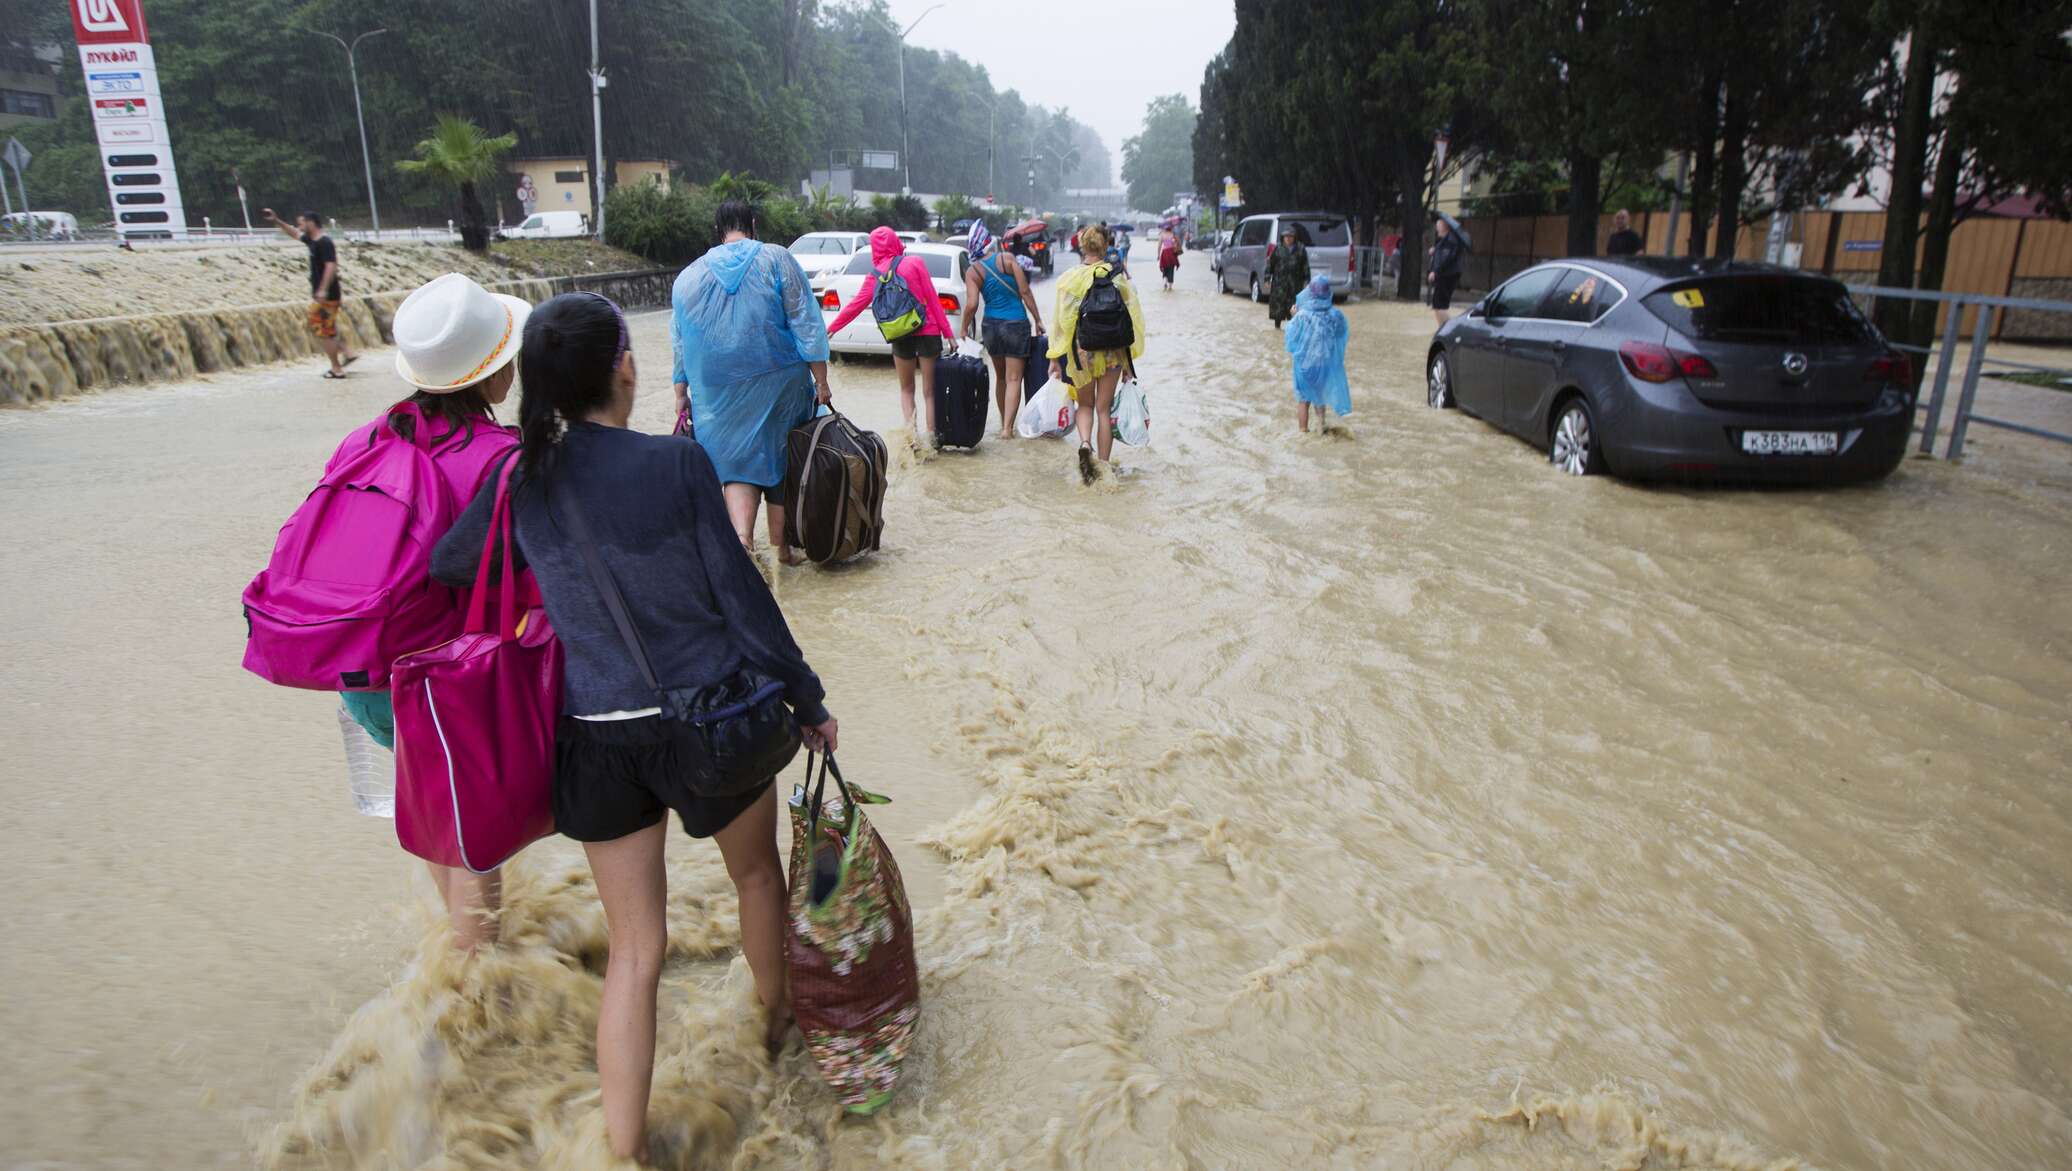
1449, 248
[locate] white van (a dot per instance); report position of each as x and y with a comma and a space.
50, 225
550, 225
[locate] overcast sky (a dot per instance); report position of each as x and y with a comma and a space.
1037, 48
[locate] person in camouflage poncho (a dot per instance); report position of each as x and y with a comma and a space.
1287, 274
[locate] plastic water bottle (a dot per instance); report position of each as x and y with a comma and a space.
369, 768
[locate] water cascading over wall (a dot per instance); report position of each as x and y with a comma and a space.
52, 360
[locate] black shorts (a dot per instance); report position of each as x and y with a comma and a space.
1442, 289
1006, 339
616, 777
1167, 271
915, 345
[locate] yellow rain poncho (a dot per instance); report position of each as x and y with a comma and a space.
1065, 323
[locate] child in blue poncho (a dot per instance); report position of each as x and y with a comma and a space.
1316, 341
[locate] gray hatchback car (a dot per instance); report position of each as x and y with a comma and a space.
1652, 367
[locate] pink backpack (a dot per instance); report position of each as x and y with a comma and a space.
349, 587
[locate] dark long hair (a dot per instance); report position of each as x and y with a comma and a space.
572, 346
452, 415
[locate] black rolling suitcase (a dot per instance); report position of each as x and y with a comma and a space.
961, 393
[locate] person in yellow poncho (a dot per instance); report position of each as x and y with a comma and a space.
1092, 376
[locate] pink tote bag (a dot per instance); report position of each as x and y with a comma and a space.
475, 725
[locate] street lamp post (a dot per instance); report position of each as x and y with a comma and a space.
906, 159
597, 83
990, 151
366, 160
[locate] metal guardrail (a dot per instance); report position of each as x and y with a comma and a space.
1975, 363
101, 238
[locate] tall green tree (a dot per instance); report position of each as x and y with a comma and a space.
1956, 126
1568, 97
763, 86
1159, 161
458, 154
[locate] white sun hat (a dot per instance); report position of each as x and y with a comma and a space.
453, 333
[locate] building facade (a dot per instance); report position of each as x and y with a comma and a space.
562, 183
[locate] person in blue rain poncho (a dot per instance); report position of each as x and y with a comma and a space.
1316, 340
751, 363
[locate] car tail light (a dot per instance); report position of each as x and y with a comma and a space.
1269, 252
1694, 366
1647, 361
1352, 258
1652, 363
949, 303
1895, 368
830, 300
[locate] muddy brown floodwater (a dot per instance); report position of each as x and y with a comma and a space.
1378, 801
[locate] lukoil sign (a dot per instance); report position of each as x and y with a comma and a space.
129, 117
109, 21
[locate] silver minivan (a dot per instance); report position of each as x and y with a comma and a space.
1328, 237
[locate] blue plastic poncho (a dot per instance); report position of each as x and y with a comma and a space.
1316, 338
744, 325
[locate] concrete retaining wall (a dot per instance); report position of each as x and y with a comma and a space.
54, 360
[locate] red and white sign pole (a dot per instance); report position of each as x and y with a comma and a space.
129, 118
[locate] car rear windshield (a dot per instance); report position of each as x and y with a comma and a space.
1321, 233
1794, 310
821, 246
938, 264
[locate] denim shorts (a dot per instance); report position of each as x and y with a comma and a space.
1006, 339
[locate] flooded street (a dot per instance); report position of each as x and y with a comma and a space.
1378, 800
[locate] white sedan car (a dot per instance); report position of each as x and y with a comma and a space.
946, 265
819, 252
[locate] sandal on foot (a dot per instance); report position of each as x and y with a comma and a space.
336, 374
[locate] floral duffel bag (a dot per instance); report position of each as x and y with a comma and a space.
854, 986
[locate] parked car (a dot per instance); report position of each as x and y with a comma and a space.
1652, 367
1328, 237
913, 237
946, 265
550, 225
819, 252
50, 225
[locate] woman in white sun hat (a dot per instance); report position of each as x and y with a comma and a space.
455, 342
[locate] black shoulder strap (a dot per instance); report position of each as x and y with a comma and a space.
614, 601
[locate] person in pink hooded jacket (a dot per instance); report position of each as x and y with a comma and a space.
917, 350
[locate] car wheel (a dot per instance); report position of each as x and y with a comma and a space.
1255, 290
1439, 383
1574, 446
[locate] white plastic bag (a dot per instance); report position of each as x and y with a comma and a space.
1132, 414
1048, 412
969, 348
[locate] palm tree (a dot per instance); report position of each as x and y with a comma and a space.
460, 154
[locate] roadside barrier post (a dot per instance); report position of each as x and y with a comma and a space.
1942, 377
1971, 374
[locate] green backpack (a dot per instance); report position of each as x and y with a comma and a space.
894, 306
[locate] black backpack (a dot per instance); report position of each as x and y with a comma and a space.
1104, 317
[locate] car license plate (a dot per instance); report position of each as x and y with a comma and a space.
1790, 442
